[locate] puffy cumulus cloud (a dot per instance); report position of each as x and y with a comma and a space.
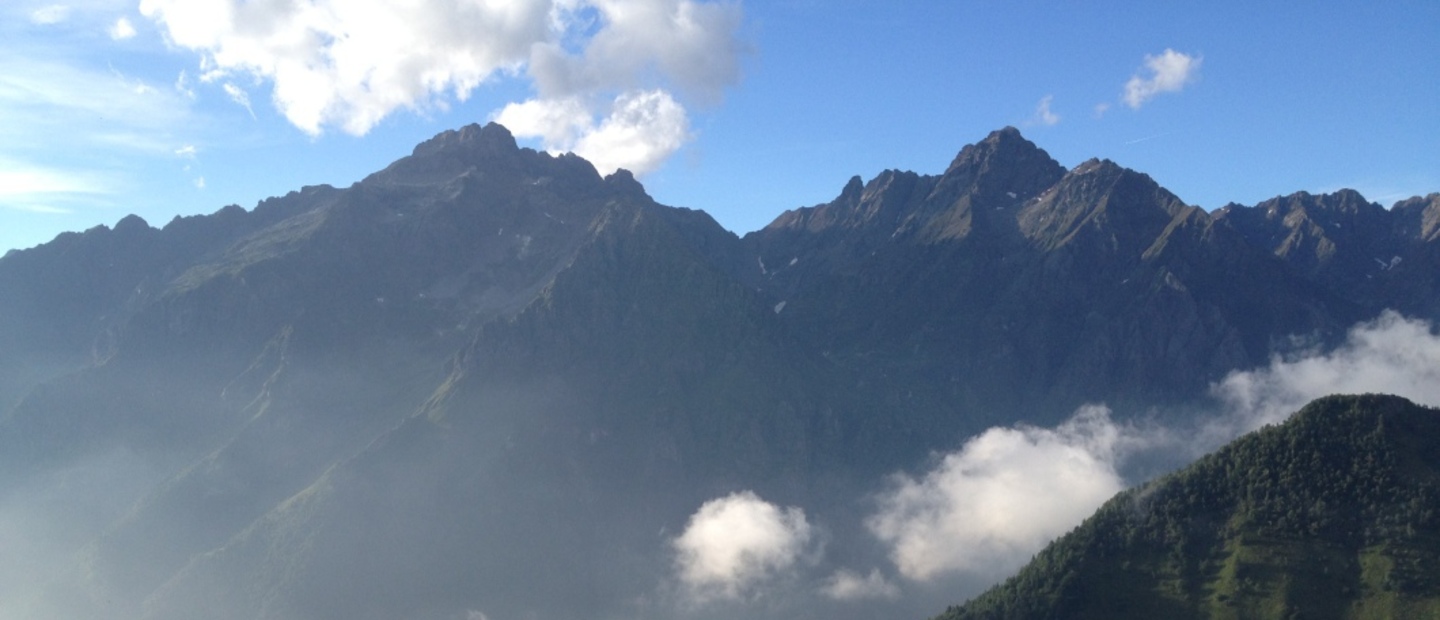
352, 62
608, 74
847, 585
641, 129
692, 45
1001, 497
1168, 73
1391, 355
733, 542
602, 101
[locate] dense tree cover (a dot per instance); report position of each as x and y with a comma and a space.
1333, 514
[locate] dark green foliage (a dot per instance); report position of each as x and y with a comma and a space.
1334, 514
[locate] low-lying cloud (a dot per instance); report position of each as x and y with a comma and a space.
1001, 497
848, 585
988, 507
608, 75
733, 543
1390, 355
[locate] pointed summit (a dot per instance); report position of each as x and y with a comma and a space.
1003, 147
1002, 168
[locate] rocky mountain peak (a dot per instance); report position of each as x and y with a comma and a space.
493, 137
1116, 207
132, 225
1006, 150
1418, 218
491, 148
1319, 233
623, 181
852, 192
1002, 170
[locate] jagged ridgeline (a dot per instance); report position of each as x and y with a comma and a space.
1333, 514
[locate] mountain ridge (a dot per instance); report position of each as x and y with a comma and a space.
486, 345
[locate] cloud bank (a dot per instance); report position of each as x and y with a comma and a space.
608, 74
733, 543
1391, 355
1168, 73
988, 507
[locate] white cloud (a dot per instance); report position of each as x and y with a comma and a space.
847, 585
188, 151
1168, 73
199, 182
692, 45
1006, 493
734, 542
641, 130
608, 74
38, 189
558, 122
349, 63
50, 14
1043, 114
239, 96
1391, 355
122, 29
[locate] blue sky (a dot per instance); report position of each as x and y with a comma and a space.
166, 107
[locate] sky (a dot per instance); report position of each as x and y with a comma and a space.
743, 109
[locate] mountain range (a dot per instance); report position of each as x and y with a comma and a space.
488, 380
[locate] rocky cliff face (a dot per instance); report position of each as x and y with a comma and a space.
483, 374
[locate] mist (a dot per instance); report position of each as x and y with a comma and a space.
539, 545
985, 509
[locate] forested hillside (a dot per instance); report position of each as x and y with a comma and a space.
1334, 514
